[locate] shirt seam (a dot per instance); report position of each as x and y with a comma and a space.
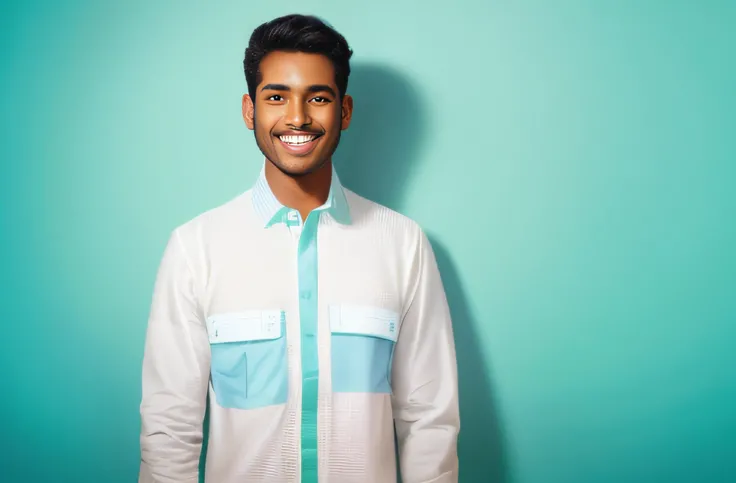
185, 256
200, 315
419, 256
443, 475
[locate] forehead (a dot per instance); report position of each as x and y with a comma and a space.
296, 69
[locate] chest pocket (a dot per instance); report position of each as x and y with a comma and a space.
362, 344
249, 367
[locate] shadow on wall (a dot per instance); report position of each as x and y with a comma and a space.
481, 448
377, 154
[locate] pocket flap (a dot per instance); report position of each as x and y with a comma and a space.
366, 321
251, 325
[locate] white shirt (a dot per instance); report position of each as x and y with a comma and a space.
309, 339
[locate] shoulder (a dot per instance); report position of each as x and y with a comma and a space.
218, 221
387, 224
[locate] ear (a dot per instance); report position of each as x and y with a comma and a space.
347, 111
248, 112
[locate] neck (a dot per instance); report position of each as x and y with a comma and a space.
301, 193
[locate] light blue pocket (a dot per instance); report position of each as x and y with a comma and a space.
249, 367
362, 344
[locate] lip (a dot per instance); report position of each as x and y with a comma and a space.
300, 149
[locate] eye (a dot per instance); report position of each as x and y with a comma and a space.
321, 100
275, 97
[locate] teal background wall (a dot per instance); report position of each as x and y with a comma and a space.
573, 162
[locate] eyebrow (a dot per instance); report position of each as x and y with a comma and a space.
311, 89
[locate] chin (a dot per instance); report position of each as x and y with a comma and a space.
299, 169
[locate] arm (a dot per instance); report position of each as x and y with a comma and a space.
176, 365
424, 379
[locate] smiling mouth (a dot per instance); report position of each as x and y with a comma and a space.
299, 139
299, 143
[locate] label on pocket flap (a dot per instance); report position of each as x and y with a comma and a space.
246, 326
368, 321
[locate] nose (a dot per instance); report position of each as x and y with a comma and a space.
297, 114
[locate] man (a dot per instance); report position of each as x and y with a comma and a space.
314, 319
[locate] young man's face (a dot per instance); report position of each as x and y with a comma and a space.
296, 113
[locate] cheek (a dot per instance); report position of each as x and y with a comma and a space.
331, 120
265, 119
333, 123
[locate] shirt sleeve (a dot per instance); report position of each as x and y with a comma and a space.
424, 379
175, 375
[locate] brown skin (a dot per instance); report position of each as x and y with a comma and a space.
298, 95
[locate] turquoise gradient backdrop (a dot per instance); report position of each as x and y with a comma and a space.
573, 163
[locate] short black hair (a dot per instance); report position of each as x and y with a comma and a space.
297, 33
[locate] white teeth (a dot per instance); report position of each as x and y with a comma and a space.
296, 139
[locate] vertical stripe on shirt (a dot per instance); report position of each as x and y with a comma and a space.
307, 268
272, 212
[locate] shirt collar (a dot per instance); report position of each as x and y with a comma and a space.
271, 211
